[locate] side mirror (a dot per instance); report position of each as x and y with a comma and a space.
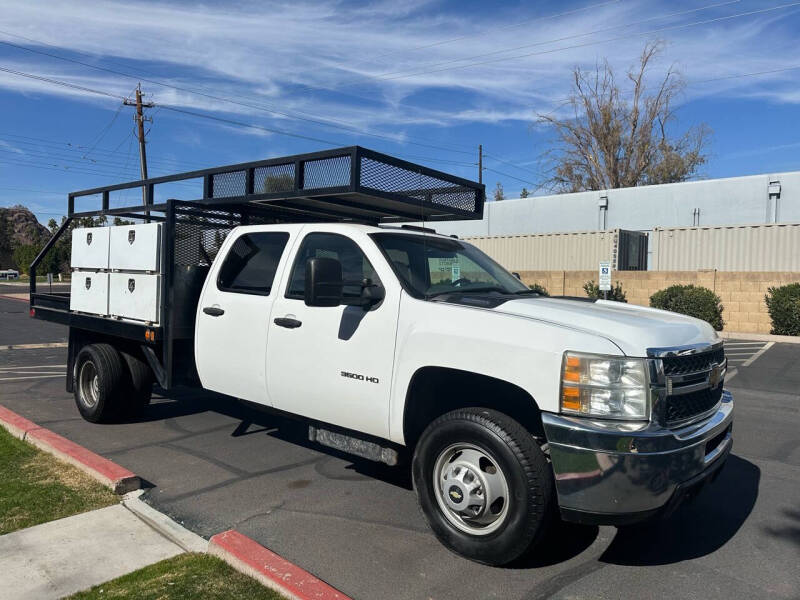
323, 282
517, 275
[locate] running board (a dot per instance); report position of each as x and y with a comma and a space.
353, 445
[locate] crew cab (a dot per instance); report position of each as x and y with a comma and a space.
405, 346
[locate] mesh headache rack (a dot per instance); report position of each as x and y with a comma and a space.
351, 183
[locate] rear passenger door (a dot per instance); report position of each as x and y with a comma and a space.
233, 315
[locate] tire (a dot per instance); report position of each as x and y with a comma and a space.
491, 442
98, 382
140, 377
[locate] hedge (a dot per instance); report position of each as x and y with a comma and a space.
539, 289
615, 293
783, 304
690, 300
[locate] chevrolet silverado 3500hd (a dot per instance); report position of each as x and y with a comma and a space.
394, 341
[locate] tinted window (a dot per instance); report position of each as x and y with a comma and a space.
355, 266
251, 263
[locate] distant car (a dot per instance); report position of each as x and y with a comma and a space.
9, 274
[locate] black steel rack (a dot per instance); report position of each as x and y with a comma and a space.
350, 184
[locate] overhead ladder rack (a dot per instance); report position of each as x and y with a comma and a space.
351, 183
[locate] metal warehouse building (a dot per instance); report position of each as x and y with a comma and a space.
737, 223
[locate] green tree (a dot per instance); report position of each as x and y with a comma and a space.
24, 255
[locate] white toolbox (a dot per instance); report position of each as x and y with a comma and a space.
89, 292
135, 247
134, 296
90, 248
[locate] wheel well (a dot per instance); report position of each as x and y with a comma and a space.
434, 391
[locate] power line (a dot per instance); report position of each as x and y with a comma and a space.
326, 122
103, 132
34, 141
505, 162
386, 76
510, 176
61, 83
596, 42
191, 113
470, 36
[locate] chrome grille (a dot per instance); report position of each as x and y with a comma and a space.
687, 386
692, 363
687, 406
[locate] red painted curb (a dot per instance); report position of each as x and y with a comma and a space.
4, 297
119, 479
251, 558
17, 425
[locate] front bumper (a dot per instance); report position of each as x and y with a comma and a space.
615, 473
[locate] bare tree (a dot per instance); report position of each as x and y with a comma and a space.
609, 142
499, 194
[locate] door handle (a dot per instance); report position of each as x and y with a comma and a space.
288, 322
214, 311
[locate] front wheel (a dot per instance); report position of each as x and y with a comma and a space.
483, 484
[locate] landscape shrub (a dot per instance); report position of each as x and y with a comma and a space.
539, 289
690, 300
615, 293
783, 304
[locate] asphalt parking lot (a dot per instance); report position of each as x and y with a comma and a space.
215, 463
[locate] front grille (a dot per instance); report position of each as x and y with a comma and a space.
691, 363
681, 407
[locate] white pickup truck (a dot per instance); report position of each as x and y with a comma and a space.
395, 342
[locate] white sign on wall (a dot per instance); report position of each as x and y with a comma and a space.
605, 276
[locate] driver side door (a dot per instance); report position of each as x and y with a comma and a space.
334, 364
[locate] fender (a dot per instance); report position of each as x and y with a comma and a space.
523, 352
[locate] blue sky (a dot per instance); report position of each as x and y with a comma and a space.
425, 80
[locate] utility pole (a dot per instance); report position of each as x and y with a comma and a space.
480, 163
139, 118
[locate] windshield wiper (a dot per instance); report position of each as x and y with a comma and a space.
478, 290
520, 292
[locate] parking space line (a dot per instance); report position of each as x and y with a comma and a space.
31, 377
766, 347
34, 346
22, 367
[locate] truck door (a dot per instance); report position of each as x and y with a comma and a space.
233, 315
335, 364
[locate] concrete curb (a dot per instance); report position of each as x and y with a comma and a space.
110, 474
173, 531
759, 337
249, 557
5, 297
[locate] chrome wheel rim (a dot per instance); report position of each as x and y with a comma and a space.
471, 489
89, 384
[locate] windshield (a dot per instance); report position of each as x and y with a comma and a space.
432, 266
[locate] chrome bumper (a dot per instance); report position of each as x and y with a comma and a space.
612, 472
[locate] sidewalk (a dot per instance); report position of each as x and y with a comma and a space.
62, 557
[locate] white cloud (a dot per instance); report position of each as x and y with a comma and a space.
288, 55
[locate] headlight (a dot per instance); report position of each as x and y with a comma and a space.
604, 386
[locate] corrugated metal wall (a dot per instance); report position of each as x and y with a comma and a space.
774, 247
562, 251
